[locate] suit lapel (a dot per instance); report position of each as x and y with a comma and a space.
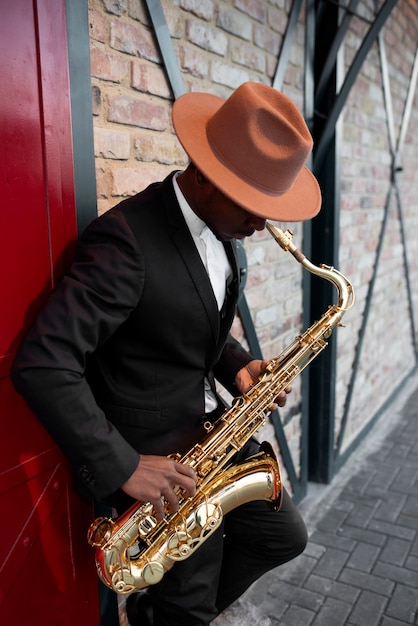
185, 245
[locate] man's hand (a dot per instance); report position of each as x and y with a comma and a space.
248, 375
155, 478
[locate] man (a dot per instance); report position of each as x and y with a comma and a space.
120, 365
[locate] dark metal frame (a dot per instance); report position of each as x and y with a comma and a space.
325, 456
85, 179
81, 111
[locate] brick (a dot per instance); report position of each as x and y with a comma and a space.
248, 56
108, 66
253, 8
143, 113
206, 37
278, 20
128, 181
134, 40
150, 79
193, 61
234, 22
117, 7
200, 8
162, 149
111, 144
227, 75
138, 11
175, 19
99, 26
102, 182
267, 40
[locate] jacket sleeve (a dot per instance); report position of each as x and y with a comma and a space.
88, 304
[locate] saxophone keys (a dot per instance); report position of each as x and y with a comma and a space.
152, 572
100, 531
208, 516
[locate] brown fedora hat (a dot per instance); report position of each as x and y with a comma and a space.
252, 147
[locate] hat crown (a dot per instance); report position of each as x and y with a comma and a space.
260, 135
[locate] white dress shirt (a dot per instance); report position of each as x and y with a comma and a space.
215, 260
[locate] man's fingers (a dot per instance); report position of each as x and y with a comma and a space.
186, 479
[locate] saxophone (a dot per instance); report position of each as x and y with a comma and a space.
134, 550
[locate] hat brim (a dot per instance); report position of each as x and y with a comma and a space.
191, 112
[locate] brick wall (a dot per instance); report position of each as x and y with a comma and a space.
387, 354
219, 45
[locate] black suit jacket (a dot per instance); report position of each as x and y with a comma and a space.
114, 364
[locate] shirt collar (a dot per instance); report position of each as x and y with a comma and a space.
193, 221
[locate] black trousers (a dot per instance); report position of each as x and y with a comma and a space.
252, 540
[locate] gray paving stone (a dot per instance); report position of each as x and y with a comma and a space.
393, 530
295, 616
411, 506
403, 604
366, 581
361, 515
332, 521
363, 557
332, 540
292, 594
332, 612
331, 564
407, 521
361, 534
368, 609
395, 551
332, 588
397, 574
412, 563
390, 508
389, 621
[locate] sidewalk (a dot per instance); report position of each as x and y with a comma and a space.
360, 567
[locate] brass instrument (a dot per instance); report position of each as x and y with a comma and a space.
135, 551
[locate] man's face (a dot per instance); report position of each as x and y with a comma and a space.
226, 219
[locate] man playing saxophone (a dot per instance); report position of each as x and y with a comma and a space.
120, 364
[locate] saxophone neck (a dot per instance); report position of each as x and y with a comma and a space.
344, 287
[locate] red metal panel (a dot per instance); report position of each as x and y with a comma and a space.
47, 575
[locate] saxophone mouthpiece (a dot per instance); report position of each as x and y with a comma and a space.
284, 239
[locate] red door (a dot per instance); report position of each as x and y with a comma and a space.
47, 576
